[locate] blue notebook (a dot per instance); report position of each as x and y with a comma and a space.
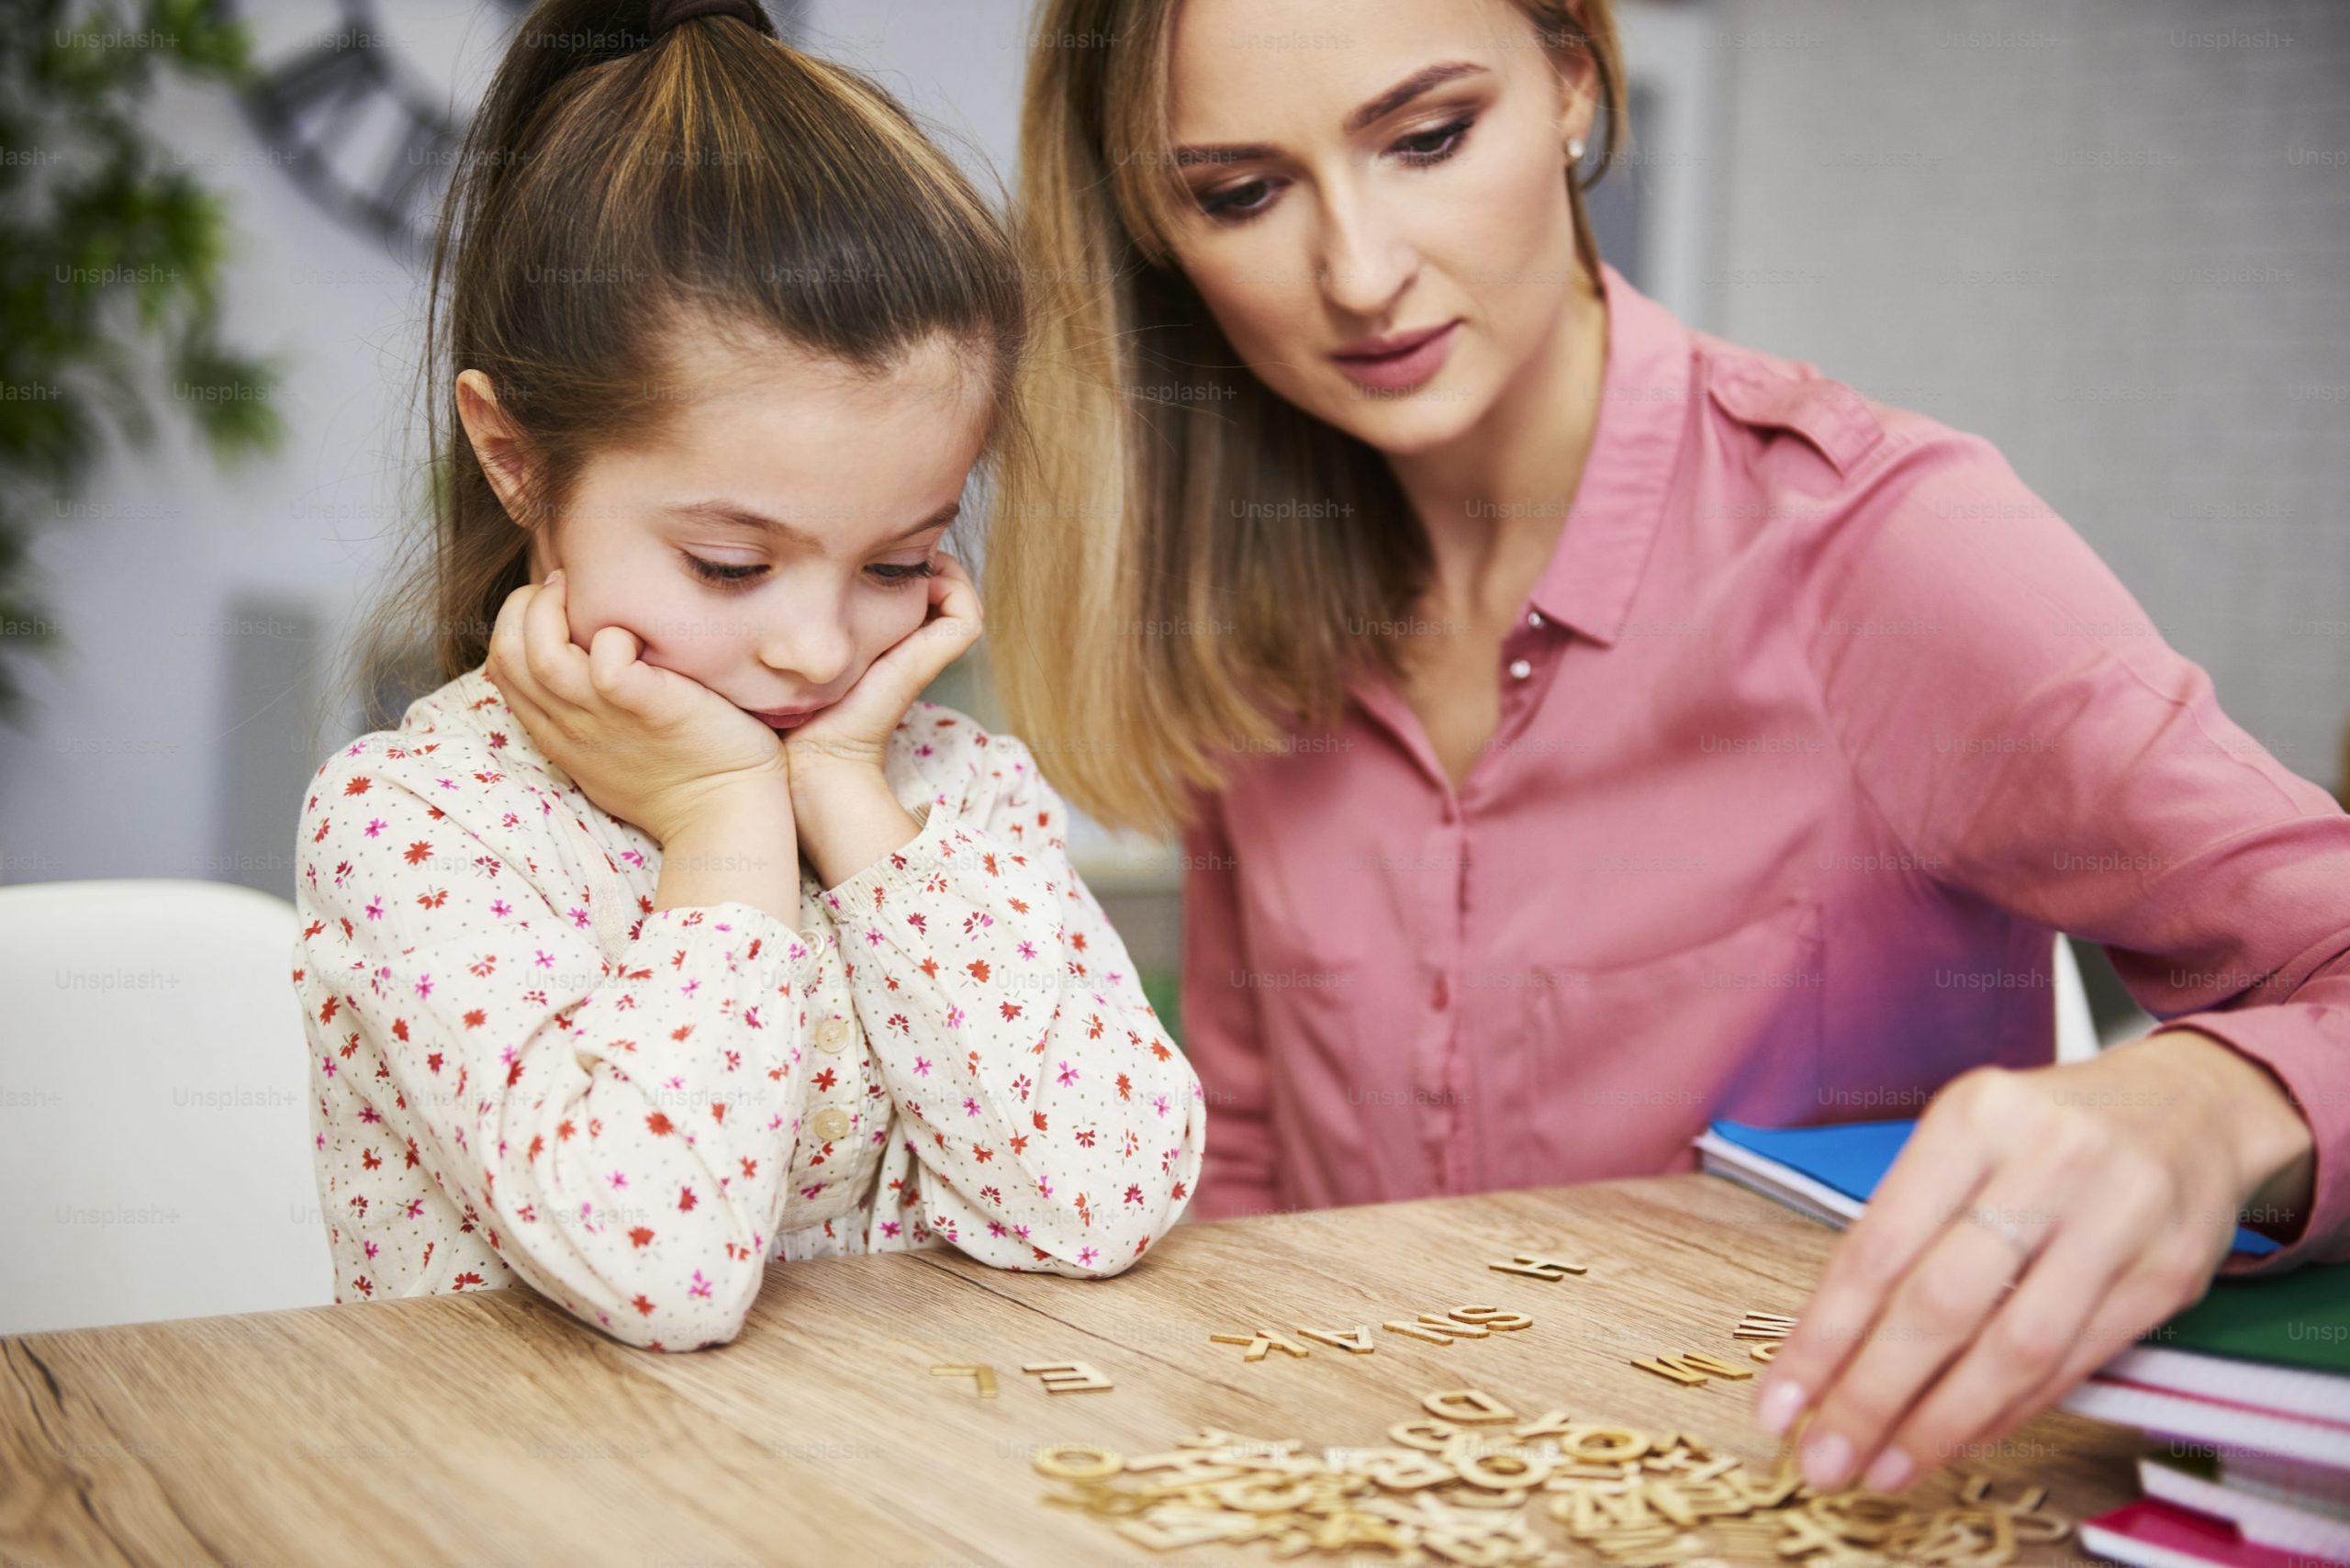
1850, 1158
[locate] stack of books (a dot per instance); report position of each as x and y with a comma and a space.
2249, 1389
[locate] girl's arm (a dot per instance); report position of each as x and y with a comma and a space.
1054, 1124
620, 1130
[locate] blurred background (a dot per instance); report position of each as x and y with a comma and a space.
2112, 235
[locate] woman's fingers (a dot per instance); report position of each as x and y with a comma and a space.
1926, 1324
2164, 1280
1936, 1174
2054, 1316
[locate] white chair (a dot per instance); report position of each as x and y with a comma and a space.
2076, 1037
154, 1118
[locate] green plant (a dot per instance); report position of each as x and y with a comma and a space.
111, 253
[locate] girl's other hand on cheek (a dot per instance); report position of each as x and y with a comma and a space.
853, 734
645, 743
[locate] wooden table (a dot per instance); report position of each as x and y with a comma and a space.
492, 1428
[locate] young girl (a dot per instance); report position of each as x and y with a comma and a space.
728, 336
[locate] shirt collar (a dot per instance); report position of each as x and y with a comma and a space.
1643, 420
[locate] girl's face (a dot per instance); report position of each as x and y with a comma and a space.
1383, 228
775, 539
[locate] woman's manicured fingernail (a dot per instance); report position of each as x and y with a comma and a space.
1890, 1472
1778, 1405
1825, 1459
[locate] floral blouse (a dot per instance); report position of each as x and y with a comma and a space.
520, 1069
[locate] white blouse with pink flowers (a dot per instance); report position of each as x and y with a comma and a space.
522, 1070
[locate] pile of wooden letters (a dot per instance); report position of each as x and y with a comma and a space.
1457, 1484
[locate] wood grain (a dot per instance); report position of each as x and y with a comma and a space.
493, 1429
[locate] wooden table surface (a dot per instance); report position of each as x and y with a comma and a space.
492, 1428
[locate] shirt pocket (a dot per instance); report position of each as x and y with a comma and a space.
1617, 1069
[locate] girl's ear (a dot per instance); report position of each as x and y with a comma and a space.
496, 444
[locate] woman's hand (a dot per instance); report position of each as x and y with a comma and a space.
2108, 1191
849, 817
648, 745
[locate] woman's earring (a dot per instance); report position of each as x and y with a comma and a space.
1574, 148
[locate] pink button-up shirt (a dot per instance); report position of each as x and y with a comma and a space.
1817, 726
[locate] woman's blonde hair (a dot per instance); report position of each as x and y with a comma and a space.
619, 177
1187, 564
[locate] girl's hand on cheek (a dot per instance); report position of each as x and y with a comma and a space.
648, 745
855, 732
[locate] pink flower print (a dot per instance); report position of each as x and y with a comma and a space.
970, 1106
500, 908
1068, 1075
1020, 1086
954, 1017
424, 985
375, 910
700, 1289
921, 1066
376, 827
1158, 1103
1134, 1192
891, 1227
1087, 1255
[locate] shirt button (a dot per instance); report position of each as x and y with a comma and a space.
1534, 619
832, 1035
1520, 668
831, 1123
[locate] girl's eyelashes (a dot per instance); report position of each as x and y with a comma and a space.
725, 575
1421, 149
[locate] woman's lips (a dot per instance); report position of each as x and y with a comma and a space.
1405, 362
784, 717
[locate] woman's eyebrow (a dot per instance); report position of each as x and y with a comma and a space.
1370, 113
1403, 92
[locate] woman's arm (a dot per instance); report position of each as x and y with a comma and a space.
1055, 1124
2034, 734
620, 1129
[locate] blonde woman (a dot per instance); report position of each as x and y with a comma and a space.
1582, 726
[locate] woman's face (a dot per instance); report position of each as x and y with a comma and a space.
1369, 175
775, 539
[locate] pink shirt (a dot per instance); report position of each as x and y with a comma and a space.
1817, 727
